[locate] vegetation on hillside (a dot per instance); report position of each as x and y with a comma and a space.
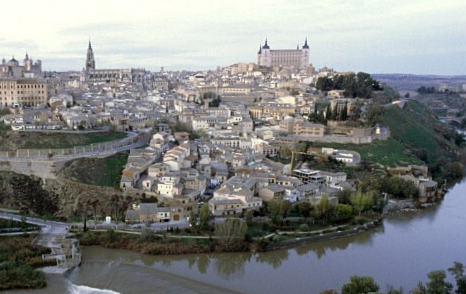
18, 258
96, 171
359, 85
26, 194
387, 152
416, 127
12, 140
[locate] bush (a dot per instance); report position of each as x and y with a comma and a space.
343, 212
304, 227
20, 276
360, 285
89, 238
399, 187
231, 233
110, 235
148, 236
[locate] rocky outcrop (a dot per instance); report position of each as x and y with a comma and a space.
70, 199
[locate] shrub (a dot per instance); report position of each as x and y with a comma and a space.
148, 236
304, 227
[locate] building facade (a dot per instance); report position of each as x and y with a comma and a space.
12, 68
297, 58
22, 91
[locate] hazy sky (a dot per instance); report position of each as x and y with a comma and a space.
407, 36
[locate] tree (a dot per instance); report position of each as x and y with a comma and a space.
204, 216
278, 209
399, 187
392, 290
31, 197
284, 152
437, 283
192, 219
360, 285
457, 270
323, 208
231, 233
344, 113
328, 113
362, 201
343, 212
305, 209
324, 84
373, 113
249, 216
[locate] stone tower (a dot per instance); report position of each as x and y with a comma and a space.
305, 56
90, 62
265, 56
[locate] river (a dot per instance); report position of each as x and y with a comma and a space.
400, 252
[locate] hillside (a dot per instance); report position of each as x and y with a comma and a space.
96, 171
389, 152
12, 140
417, 128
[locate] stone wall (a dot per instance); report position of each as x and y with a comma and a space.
42, 169
77, 150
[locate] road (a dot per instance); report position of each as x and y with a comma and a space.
49, 230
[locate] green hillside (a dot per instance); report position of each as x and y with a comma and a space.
417, 128
96, 171
388, 152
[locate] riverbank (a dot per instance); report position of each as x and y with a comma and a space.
149, 242
19, 261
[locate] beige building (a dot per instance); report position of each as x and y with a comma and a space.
297, 58
22, 91
301, 127
274, 110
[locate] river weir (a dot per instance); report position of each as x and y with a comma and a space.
400, 251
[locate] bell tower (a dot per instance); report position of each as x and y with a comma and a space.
90, 62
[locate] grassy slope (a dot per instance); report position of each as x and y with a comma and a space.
412, 128
417, 128
96, 171
10, 140
389, 152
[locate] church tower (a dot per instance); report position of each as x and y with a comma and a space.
90, 62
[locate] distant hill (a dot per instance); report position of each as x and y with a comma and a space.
411, 82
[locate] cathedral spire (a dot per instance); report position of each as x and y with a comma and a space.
90, 62
260, 49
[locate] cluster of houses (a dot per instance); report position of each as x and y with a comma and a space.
232, 175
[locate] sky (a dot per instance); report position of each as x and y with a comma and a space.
375, 36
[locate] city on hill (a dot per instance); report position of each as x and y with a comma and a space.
247, 157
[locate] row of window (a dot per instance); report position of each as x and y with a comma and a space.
22, 92
26, 86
